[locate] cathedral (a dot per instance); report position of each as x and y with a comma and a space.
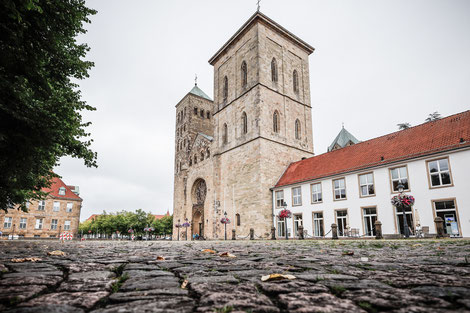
231, 150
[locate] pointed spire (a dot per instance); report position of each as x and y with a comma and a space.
195, 79
257, 10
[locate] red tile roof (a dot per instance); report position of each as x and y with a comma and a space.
54, 190
92, 217
428, 138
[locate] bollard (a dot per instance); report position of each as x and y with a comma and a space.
334, 231
300, 232
234, 237
378, 230
439, 226
252, 234
273, 233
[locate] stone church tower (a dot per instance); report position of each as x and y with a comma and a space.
261, 122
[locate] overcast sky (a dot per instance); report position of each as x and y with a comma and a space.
376, 64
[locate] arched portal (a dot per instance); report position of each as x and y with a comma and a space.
198, 197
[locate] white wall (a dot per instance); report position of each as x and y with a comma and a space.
419, 187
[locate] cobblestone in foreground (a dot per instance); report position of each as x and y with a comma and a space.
331, 276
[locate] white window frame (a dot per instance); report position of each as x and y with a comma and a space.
69, 207
41, 205
7, 222
317, 196
366, 184
56, 206
339, 188
439, 173
279, 198
54, 225
281, 228
67, 225
23, 222
318, 231
297, 197
62, 191
298, 221
367, 219
39, 223
399, 178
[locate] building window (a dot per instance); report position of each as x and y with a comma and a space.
7, 222
56, 206
244, 73
339, 189
208, 115
399, 174
366, 185
208, 153
297, 224
195, 159
274, 70
225, 134
202, 155
244, 123
370, 216
190, 162
225, 90
281, 228
342, 222
295, 78
38, 223
439, 172
41, 205
54, 223
23, 222
184, 112
67, 225
70, 206
447, 210
318, 230
279, 198
202, 113
409, 220
296, 196
237, 217
276, 122
62, 191
195, 111
316, 193
297, 129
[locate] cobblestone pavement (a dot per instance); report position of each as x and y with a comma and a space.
330, 276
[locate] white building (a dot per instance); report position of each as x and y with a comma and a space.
352, 186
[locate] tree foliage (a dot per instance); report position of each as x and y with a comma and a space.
40, 105
433, 116
123, 221
403, 126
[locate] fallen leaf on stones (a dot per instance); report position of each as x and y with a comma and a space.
160, 258
184, 284
348, 252
276, 277
26, 260
364, 259
208, 251
57, 252
81, 246
227, 255
417, 245
439, 248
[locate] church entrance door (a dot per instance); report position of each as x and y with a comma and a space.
198, 196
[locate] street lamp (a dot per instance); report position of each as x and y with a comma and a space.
225, 221
186, 224
406, 230
178, 225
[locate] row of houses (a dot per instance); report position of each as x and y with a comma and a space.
352, 184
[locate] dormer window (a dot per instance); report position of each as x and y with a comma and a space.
62, 191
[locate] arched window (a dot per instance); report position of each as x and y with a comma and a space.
195, 111
208, 153
195, 159
225, 90
181, 166
276, 122
208, 114
225, 134
202, 156
295, 78
184, 143
202, 113
237, 217
190, 162
244, 123
244, 74
184, 112
274, 70
297, 129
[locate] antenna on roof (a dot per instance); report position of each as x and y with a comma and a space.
257, 10
342, 123
195, 79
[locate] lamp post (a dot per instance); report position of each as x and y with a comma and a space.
225, 221
406, 230
178, 225
285, 214
186, 224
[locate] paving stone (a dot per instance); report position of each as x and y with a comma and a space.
16, 294
143, 283
162, 304
147, 294
321, 302
79, 299
49, 308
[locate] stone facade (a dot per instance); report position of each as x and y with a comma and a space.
45, 219
254, 80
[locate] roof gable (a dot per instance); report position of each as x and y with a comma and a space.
56, 184
450, 133
343, 139
198, 92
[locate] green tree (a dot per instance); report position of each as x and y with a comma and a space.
403, 126
40, 104
433, 116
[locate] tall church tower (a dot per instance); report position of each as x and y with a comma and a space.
262, 120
